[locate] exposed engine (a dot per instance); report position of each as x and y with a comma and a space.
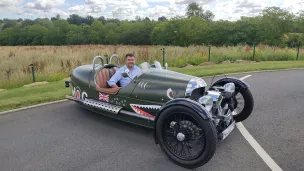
218, 101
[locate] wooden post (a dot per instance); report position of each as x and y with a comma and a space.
209, 53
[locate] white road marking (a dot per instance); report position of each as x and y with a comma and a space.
243, 78
255, 145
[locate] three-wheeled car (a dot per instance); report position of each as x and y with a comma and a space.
188, 118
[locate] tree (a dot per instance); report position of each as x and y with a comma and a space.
89, 20
102, 20
55, 18
162, 18
44, 22
9, 23
208, 15
147, 19
194, 10
75, 19
274, 22
75, 35
35, 34
138, 18
299, 22
97, 32
294, 39
27, 22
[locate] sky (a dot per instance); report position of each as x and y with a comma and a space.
230, 10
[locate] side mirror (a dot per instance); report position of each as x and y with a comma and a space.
166, 66
125, 75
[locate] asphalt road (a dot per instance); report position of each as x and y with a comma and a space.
65, 136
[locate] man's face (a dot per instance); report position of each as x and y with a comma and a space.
130, 61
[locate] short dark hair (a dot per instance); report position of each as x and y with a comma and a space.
129, 54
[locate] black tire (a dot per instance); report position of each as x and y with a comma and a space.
207, 128
248, 106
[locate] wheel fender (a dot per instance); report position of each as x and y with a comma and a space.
200, 109
236, 81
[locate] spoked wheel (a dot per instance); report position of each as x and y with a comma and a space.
243, 104
185, 137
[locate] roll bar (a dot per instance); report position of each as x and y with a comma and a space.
114, 55
97, 57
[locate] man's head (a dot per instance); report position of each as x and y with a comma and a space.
130, 60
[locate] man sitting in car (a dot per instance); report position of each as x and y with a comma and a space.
130, 68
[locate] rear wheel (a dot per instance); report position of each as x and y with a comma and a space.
185, 137
243, 104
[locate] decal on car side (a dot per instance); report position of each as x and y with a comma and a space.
170, 93
142, 84
145, 110
104, 97
117, 101
76, 92
84, 95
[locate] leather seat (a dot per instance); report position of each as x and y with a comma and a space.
101, 79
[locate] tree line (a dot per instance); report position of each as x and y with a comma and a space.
273, 26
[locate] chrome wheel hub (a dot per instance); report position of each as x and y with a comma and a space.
180, 136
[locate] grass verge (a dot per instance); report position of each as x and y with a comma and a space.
208, 70
25, 96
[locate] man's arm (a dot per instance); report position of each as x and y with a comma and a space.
114, 79
114, 86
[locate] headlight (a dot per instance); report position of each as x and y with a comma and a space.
193, 84
207, 101
229, 87
216, 97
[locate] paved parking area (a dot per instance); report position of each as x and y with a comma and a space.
64, 136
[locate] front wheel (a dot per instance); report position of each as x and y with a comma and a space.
243, 104
185, 137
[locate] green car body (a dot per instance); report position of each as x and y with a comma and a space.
177, 106
143, 96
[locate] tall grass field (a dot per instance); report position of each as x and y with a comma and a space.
53, 63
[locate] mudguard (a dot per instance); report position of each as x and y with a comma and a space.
182, 102
236, 81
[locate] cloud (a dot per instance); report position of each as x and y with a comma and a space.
118, 9
167, 11
201, 2
129, 9
140, 3
9, 5
86, 9
91, 7
158, 11
44, 5
247, 4
157, 1
293, 6
234, 9
38, 8
124, 12
77, 9
94, 2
